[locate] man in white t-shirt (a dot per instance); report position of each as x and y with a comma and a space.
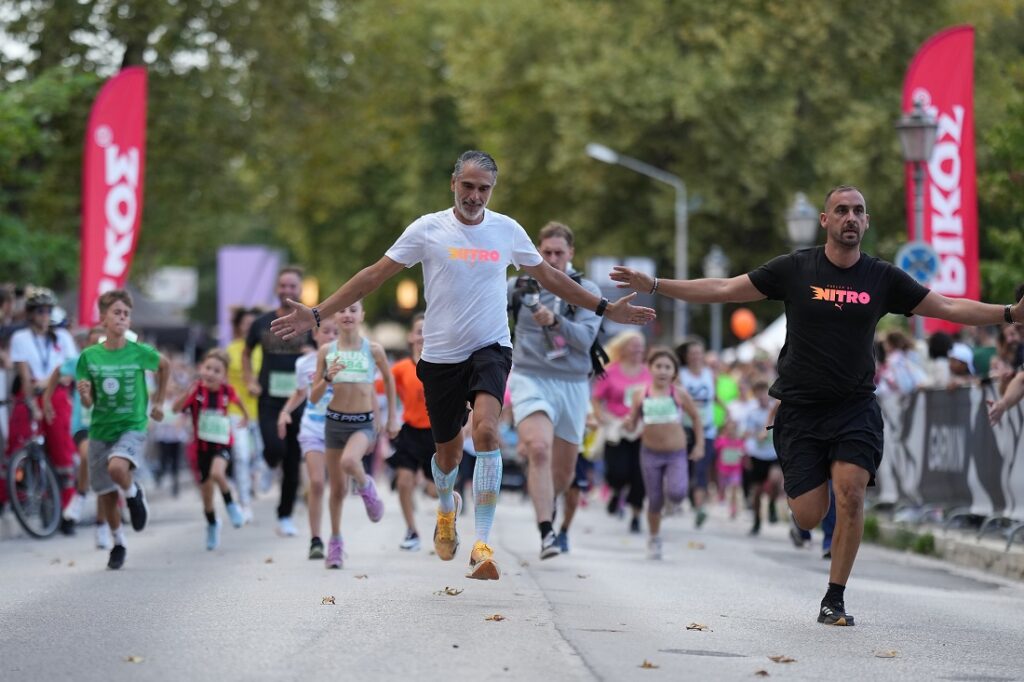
36, 351
467, 351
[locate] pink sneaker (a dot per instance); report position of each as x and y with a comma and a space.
335, 549
374, 505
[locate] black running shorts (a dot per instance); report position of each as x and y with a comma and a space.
205, 461
808, 438
448, 387
413, 450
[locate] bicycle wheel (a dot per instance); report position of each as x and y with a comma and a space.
33, 491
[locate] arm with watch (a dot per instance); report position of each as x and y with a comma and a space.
967, 312
561, 285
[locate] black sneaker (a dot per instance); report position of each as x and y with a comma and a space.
116, 560
67, 527
634, 525
773, 514
549, 546
138, 509
834, 614
756, 528
316, 548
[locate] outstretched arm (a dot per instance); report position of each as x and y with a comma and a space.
1012, 396
966, 311
737, 289
365, 282
561, 285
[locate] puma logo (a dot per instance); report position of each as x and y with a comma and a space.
838, 305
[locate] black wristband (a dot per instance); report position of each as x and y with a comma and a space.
1008, 314
316, 316
599, 310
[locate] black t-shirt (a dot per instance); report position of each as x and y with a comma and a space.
277, 373
831, 314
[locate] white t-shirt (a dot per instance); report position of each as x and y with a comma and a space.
40, 352
701, 388
314, 414
464, 269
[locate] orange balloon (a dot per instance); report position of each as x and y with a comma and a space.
743, 323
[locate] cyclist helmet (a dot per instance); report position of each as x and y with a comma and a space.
40, 297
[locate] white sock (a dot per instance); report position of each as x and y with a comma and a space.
119, 536
131, 492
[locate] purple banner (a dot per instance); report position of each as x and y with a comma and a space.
246, 276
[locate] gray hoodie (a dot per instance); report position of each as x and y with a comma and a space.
579, 329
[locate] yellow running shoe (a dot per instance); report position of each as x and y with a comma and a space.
446, 537
482, 564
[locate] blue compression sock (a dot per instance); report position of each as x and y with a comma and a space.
486, 484
445, 484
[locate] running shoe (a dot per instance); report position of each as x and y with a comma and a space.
247, 514
371, 500
316, 548
549, 546
67, 527
796, 533
235, 514
563, 541
826, 553
482, 565
834, 614
654, 548
138, 509
756, 529
73, 512
116, 560
634, 525
103, 536
286, 527
773, 514
213, 535
411, 543
335, 550
446, 537
701, 517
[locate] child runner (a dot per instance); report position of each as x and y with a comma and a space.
311, 428
729, 447
112, 381
349, 432
663, 440
208, 401
414, 446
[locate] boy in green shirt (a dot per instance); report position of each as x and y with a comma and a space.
112, 381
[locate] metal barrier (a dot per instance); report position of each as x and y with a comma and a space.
941, 452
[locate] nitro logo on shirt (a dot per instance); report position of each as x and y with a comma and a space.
840, 297
473, 256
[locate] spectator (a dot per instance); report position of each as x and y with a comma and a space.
961, 366
901, 373
937, 366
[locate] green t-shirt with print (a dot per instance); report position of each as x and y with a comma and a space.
120, 396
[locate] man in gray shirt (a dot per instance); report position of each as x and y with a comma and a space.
549, 383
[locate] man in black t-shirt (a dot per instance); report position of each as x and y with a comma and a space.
276, 382
828, 424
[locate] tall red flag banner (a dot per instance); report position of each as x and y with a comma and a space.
112, 175
941, 76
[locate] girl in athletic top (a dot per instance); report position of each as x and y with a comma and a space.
663, 440
348, 365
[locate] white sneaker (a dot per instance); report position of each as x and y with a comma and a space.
247, 514
654, 548
286, 527
73, 512
103, 537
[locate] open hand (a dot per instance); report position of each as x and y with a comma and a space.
698, 452
283, 420
996, 409
299, 321
622, 311
334, 368
628, 278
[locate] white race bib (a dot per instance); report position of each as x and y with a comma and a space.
282, 384
214, 427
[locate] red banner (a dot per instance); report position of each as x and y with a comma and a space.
112, 174
941, 76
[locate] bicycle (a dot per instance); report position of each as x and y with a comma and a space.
33, 488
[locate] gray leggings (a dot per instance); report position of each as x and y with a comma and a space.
666, 474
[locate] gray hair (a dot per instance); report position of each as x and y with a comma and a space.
481, 160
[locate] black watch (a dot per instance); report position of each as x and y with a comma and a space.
599, 310
1008, 314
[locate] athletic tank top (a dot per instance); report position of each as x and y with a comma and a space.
359, 365
661, 409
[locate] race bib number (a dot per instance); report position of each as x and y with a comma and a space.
356, 366
731, 456
282, 384
214, 427
660, 410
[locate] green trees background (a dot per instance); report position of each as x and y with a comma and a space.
325, 127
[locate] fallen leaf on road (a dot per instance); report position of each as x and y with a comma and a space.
524, 563
70, 564
889, 653
582, 576
362, 576
449, 592
647, 665
693, 544
54, 561
269, 560
699, 626
782, 659
496, 617
133, 659
327, 601
760, 673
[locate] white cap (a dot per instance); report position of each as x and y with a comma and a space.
963, 353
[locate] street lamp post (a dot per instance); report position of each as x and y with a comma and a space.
607, 155
801, 222
917, 138
716, 266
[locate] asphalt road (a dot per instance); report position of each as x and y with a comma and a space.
253, 609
